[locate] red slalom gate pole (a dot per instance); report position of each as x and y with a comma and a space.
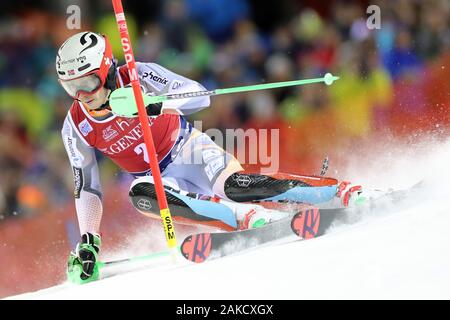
143, 118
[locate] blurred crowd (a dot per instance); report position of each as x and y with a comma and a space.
220, 43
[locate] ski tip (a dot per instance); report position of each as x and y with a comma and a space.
305, 223
197, 247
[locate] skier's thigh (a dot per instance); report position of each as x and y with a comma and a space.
203, 165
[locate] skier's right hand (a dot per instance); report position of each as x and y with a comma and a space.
152, 109
82, 265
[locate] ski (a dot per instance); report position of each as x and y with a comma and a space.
307, 223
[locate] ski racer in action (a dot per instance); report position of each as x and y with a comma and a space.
214, 191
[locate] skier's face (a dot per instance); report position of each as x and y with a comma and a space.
95, 100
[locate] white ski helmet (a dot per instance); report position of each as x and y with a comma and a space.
85, 63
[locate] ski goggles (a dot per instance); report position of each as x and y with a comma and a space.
87, 84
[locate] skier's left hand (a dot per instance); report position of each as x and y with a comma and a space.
82, 265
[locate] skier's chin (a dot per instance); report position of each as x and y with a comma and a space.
97, 100
94, 104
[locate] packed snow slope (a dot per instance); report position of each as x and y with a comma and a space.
400, 252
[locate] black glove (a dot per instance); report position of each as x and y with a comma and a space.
152, 109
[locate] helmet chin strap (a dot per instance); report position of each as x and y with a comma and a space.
110, 83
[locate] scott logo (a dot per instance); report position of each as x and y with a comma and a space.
83, 41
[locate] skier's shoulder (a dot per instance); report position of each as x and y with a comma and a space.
73, 113
149, 72
143, 69
151, 66
154, 74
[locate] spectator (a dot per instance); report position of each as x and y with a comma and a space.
402, 59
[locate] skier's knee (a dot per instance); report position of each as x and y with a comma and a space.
143, 194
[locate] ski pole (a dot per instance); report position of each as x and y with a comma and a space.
143, 119
325, 164
122, 102
146, 257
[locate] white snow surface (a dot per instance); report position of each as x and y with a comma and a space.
387, 254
